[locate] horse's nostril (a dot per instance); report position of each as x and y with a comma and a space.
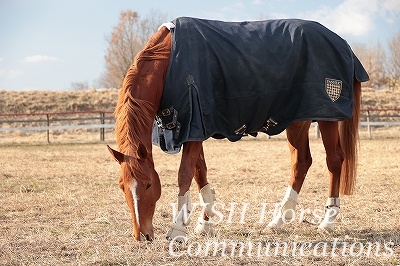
148, 238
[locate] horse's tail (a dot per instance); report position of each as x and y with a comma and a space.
348, 131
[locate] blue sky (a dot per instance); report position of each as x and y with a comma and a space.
48, 44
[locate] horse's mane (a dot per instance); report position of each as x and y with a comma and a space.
134, 116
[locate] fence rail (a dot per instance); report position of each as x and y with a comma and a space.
46, 128
105, 120
58, 121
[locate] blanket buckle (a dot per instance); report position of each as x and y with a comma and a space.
166, 112
168, 119
170, 125
270, 123
241, 130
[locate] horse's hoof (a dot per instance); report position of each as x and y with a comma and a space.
331, 212
286, 215
276, 222
325, 228
204, 227
177, 233
273, 225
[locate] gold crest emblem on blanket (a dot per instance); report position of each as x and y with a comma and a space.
333, 88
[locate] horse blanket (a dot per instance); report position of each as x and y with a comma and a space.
229, 79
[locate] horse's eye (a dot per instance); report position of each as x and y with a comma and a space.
148, 185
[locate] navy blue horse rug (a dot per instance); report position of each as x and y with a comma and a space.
228, 79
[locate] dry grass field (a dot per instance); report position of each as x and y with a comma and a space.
60, 205
105, 100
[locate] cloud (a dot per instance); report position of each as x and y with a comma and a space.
355, 17
1, 59
234, 11
391, 10
234, 7
257, 2
10, 74
39, 58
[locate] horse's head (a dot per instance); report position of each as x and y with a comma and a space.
141, 186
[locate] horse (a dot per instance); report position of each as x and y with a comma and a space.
141, 114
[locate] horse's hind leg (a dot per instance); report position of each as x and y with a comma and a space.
192, 165
298, 141
334, 160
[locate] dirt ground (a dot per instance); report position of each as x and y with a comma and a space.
60, 204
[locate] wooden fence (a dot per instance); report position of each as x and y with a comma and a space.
379, 118
58, 121
103, 120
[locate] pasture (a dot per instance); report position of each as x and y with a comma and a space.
60, 204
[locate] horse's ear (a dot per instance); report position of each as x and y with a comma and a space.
141, 152
119, 157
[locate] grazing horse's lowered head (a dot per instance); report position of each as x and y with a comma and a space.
141, 186
136, 108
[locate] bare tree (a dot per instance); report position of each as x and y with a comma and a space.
79, 86
394, 61
374, 60
125, 41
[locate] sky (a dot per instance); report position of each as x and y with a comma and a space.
50, 44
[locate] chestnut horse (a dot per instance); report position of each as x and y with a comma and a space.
137, 107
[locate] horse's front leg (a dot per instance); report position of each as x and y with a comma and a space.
207, 197
297, 136
192, 165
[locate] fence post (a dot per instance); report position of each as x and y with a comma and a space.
368, 125
48, 130
102, 130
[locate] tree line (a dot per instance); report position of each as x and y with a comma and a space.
132, 32
382, 65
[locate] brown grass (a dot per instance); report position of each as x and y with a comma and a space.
106, 100
27, 102
60, 204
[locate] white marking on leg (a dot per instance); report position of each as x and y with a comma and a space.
135, 200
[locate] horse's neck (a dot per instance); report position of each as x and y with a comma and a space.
152, 66
144, 85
